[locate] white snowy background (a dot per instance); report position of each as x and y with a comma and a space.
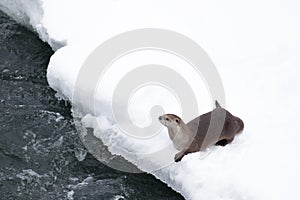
256, 48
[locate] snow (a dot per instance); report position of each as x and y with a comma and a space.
255, 46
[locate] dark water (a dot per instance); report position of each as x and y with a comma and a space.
40, 151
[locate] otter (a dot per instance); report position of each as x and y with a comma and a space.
218, 127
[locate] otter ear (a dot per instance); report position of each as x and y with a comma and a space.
217, 104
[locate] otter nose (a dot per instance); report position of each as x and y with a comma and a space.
160, 117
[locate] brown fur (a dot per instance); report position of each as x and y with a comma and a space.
217, 127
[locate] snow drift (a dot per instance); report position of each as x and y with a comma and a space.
255, 46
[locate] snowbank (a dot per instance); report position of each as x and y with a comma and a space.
255, 46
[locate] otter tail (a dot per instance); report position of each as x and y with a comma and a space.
217, 104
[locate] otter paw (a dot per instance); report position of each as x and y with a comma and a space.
178, 156
222, 143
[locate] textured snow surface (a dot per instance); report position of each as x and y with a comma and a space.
255, 46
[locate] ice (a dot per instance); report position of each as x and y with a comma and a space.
30, 13
255, 46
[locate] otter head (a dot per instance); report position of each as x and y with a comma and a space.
170, 120
177, 129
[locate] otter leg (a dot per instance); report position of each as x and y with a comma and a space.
180, 155
230, 140
224, 142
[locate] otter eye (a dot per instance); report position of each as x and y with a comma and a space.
177, 120
167, 119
